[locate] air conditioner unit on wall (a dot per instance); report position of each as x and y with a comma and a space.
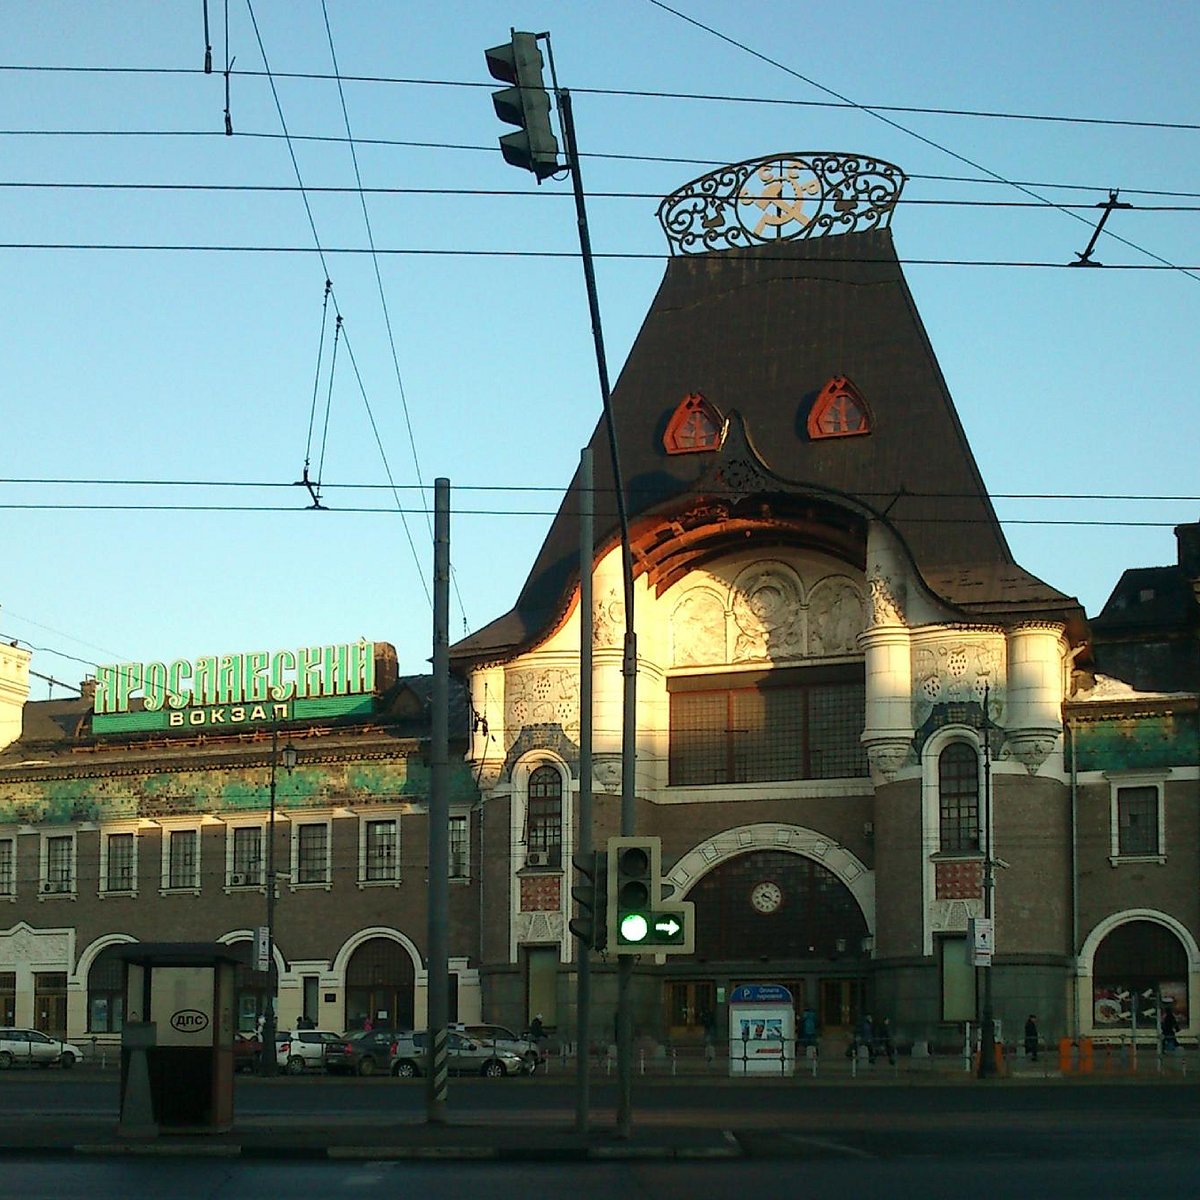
537, 858
56, 885
239, 879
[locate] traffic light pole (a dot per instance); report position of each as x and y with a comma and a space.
629, 658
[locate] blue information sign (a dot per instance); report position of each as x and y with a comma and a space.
761, 993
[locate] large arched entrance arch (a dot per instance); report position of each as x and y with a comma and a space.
774, 904
380, 985
1142, 963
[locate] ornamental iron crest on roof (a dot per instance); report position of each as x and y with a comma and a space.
785, 197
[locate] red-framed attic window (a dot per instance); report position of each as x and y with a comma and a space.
694, 427
839, 411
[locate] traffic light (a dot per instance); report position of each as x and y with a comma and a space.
591, 894
639, 917
526, 105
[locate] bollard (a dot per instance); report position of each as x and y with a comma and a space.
674, 1061
642, 1060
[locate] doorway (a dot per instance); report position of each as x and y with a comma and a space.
841, 1001
50, 1003
689, 1003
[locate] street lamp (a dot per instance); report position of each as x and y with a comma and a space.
267, 1060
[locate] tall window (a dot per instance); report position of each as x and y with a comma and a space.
60, 852
382, 850
247, 855
544, 836
1137, 821
958, 790
459, 845
312, 853
183, 863
119, 872
8, 866
753, 727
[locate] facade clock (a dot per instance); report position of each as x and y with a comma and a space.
766, 897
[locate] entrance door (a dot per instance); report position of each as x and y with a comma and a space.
50, 1003
689, 1003
841, 1001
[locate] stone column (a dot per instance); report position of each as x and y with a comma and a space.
1033, 713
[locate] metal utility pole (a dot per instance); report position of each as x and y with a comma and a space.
987, 1033
586, 841
439, 816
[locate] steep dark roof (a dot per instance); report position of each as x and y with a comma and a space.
759, 332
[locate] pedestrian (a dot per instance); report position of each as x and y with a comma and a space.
537, 1031
709, 1022
1170, 1030
883, 1038
808, 1027
865, 1036
1031, 1038
368, 1024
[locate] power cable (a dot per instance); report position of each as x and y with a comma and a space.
634, 93
1191, 272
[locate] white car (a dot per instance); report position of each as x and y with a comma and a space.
25, 1047
304, 1049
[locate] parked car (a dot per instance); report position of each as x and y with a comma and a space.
362, 1052
304, 1049
27, 1047
466, 1057
247, 1047
502, 1038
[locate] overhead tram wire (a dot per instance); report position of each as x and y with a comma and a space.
329, 275
1190, 272
637, 93
387, 316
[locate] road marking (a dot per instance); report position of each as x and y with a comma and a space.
827, 1144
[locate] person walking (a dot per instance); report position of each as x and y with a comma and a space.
1031, 1038
864, 1035
1170, 1030
537, 1031
883, 1037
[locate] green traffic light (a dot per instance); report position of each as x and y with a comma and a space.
634, 927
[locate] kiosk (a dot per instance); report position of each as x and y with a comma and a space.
177, 1043
762, 1030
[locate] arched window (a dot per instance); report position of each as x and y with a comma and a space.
106, 992
544, 821
958, 792
694, 427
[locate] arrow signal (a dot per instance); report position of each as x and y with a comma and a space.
668, 926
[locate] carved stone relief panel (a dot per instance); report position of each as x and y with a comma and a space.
541, 697
768, 613
608, 624
836, 616
698, 630
955, 672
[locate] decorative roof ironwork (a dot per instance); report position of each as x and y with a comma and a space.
784, 197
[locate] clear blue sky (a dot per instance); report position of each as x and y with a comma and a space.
194, 365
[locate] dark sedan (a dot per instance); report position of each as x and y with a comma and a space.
361, 1052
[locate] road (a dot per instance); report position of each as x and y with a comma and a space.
905, 1179
1115, 1121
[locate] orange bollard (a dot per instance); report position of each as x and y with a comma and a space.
1066, 1056
1086, 1059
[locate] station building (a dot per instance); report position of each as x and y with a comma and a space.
849, 696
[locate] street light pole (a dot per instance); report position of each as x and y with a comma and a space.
267, 1060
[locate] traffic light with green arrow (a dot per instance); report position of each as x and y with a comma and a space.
640, 919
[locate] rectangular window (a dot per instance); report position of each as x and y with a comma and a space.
382, 857
119, 874
8, 997
459, 843
247, 869
760, 726
8, 867
183, 859
60, 853
312, 853
1137, 821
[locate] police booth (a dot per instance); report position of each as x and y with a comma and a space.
177, 1042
